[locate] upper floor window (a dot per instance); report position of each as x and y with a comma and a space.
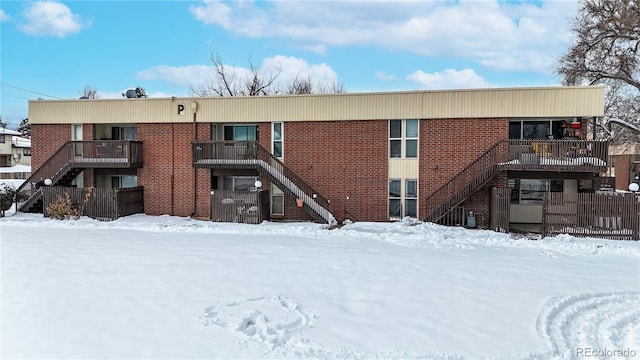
277, 139
124, 133
2, 139
26, 151
539, 129
240, 133
403, 138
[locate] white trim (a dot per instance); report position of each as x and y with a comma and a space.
281, 140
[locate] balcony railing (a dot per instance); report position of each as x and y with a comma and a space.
250, 154
557, 155
72, 157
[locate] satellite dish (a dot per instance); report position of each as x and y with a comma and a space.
131, 94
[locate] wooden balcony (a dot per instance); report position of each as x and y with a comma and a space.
557, 155
105, 154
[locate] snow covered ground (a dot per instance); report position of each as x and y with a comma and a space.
168, 287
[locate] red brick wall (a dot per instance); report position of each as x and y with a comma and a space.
46, 140
203, 178
167, 174
341, 159
345, 161
622, 165
447, 146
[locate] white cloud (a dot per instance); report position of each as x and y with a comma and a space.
292, 67
178, 75
3, 16
498, 34
50, 18
449, 79
195, 75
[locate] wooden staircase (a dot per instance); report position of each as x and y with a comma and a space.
250, 154
70, 160
466, 182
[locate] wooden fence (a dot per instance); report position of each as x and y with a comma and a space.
611, 215
248, 207
97, 203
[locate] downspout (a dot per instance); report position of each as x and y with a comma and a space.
173, 165
194, 108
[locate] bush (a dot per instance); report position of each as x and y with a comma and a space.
62, 208
7, 195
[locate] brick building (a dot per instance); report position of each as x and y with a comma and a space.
364, 157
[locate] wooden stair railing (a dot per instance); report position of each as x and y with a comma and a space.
251, 153
55, 168
466, 182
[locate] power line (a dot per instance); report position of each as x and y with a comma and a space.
27, 90
15, 96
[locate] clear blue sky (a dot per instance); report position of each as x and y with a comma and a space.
53, 49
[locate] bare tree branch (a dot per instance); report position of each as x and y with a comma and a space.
605, 51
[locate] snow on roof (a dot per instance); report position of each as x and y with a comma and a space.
15, 169
21, 142
8, 131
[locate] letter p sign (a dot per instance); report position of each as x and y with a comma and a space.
180, 109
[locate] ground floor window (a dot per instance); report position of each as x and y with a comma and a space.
78, 181
531, 191
277, 201
124, 181
403, 198
239, 183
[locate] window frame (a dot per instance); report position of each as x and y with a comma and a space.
280, 140
399, 200
233, 131
403, 140
276, 192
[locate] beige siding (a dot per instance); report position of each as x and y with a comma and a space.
404, 168
483, 103
5, 147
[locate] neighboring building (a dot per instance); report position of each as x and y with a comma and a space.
14, 150
364, 157
625, 160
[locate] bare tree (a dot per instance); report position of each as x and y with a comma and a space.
300, 85
332, 87
89, 92
303, 84
606, 51
227, 82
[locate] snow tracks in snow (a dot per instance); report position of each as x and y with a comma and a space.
602, 324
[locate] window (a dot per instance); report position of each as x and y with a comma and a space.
411, 135
395, 201
124, 181
124, 133
26, 151
531, 191
240, 132
399, 205
2, 140
411, 198
538, 129
76, 132
239, 183
277, 139
395, 138
403, 138
277, 201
